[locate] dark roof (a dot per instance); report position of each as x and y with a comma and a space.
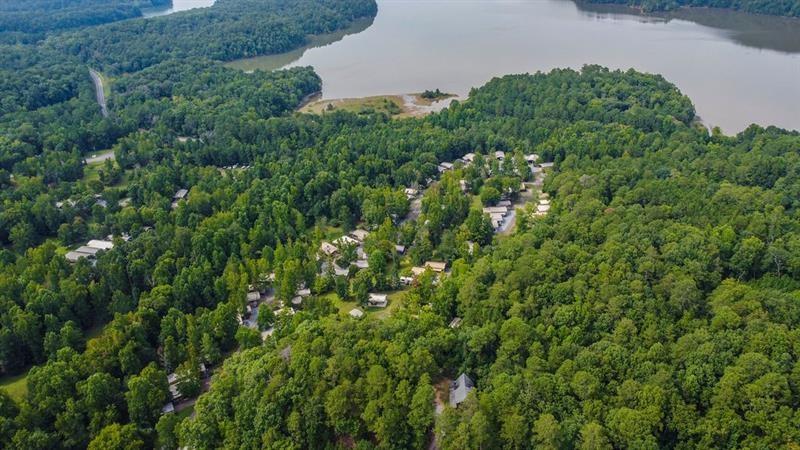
460, 388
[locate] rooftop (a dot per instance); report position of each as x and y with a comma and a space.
460, 388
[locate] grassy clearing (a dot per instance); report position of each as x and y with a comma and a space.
16, 386
396, 300
387, 104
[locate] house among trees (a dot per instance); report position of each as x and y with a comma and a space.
356, 313
359, 234
328, 249
411, 193
378, 300
253, 297
169, 408
297, 300
436, 266
469, 157
180, 194
500, 155
174, 380
455, 323
346, 240
459, 389
88, 251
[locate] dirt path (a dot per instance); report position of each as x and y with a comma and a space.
99, 93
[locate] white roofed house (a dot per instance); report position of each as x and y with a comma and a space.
501, 155
100, 244
469, 157
411, 193
75, 255
345, 240
495, 210
88, 251
253, 297
460, 388
359, 234
446, 166
532, 158
179, 195
377, 300
328, 249
436, 266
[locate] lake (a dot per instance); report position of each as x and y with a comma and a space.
177, 6
737, 68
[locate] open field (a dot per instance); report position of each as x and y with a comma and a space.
16, 385
396, 300
397, 106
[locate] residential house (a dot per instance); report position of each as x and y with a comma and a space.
359, 234
356, 313
328, 249
377, 300
495, 209
459, 389
436, 266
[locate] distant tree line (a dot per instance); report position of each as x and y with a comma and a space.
789, 8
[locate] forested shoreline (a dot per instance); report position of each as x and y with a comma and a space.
655, 305
789, 8
29, 21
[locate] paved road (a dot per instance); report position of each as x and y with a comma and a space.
98, 89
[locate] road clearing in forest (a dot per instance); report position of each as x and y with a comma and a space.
97, 79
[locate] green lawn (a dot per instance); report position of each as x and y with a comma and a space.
16, 386
396, 299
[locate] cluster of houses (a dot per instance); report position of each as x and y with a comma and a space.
89, 251
498, 213
236, 166
355, 238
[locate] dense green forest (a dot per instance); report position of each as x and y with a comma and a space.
26, 21
230, 29
655, 306
789, 8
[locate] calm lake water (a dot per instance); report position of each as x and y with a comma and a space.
737, 68
177, 5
